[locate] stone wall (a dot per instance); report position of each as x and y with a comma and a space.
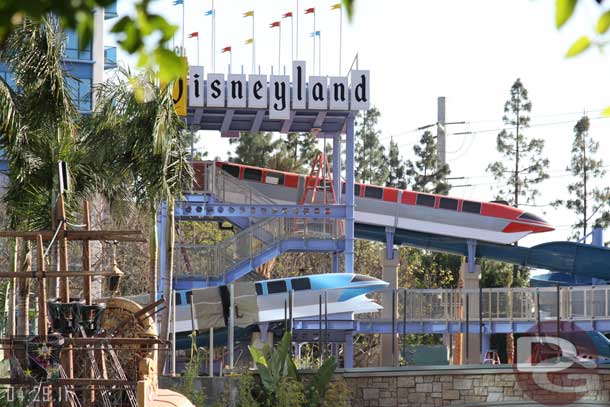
442, 386
436, 386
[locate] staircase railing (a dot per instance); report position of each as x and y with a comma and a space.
213, 261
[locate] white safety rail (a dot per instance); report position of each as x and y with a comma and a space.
214, 260
495, 304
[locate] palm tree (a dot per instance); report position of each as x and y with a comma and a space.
39, 126
138, 135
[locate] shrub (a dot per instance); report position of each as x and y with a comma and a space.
290, 393
337, 395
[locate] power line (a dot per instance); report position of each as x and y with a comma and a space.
531, 126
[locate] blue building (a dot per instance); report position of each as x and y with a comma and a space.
86, 66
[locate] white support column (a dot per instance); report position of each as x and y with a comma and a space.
471, 351
389, 274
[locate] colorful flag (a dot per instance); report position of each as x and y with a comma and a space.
250, 41
336, 6
226, 49
288, 14
274, 24
193, 35
249, 13
310, 10
209, 12
178, 2
315, 34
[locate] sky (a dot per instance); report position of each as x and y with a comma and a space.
470, 51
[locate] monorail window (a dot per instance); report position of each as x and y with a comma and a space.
356, 189
530, 216
299, 284
231, 169
178, 297
259, 288
448, 203
274, 178
360, 277
373, 192
274, 287
189, 297
425, 200
472, 207
253, 174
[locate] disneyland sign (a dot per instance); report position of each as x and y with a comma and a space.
278, 93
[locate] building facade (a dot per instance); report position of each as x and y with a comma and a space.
86, 66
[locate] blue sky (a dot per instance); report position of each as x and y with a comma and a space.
468, 51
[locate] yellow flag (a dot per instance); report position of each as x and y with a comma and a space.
249, 13
250, 41
335, 6
179, 90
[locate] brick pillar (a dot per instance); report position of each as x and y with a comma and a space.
389, 274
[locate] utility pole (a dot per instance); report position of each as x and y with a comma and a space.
440, 132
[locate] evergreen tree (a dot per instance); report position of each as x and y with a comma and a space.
426, 173
254, 148
590, 204
396, 168
527, 166
370, 158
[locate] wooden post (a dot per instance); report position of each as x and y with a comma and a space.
86, 261
67, 358
42, 292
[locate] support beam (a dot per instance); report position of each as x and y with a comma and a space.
226, 121
348, 351
286, 124
201, 209
258, 120
349, 197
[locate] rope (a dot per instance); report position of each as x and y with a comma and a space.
46, 252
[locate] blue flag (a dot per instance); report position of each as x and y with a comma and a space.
314, 34
178, 2
209, 12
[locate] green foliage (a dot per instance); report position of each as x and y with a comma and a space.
145, 34
590, 203
337, 395
277, 370
290, 393
522, 166
579, 46
426, 173
245, 388
369, 152
495, 274
316, 389
396, 168
563, 11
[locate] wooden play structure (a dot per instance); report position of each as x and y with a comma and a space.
86, 351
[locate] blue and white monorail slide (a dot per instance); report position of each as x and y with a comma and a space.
265, 301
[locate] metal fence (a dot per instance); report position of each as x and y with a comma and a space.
495, 304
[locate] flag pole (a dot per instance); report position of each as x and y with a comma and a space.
314, 41
198, 49
319, 53
297, 40
253, 49
182, 51
230, 60
279, 51
292, 38
340, 37
213, 37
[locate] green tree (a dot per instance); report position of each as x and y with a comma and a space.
523, 167
591, 204
369, 152
138, 137
254, 149
426, 174
146, 35
397, 170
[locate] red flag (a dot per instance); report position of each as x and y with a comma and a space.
226, 49
310, 10
193, 35
288, 14
274, 24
